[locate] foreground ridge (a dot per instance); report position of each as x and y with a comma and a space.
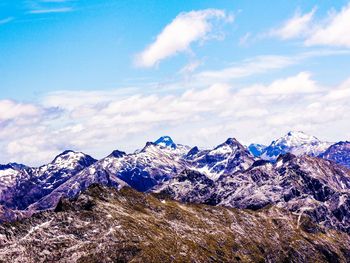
106, 225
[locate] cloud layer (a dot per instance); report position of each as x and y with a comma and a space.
98, 122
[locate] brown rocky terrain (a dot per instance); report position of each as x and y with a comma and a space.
106, 225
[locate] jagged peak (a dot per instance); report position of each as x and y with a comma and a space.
193, 151
341, 143
296, 133
295, 139
165, 141
232, 143
69, 155
285, 157
118, 154
15, 166
147, 146
300, 135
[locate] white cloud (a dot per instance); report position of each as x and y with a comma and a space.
190, 67
259, 65
13, 110
98, 122
296, 26
177, 36
299, 84
244, 39
334, 32
246, 68
51, 10
330, 31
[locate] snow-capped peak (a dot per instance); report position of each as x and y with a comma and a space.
165, 141
295, 138
228, 147
297, 143
69, 159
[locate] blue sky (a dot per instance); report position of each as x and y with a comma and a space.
99, 75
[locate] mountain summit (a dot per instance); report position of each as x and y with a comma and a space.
295, 142
165, 141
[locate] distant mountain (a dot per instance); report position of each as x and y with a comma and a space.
165, 141
70, 173
339, 153
105, 225
256, 149
21, 186
156, 162
225, 158
295, 142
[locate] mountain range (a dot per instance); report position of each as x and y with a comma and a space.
24, 188
296, 173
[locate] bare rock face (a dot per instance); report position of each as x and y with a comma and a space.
226, 158
339, 153
21, 186
106, 225
302, 185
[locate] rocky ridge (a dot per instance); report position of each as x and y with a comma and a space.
106, 225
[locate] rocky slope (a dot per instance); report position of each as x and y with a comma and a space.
21, 186
105, 225
303, 184
339, 153
226, 158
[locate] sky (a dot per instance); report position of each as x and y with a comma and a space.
100, 75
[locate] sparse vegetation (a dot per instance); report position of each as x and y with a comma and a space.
104, 225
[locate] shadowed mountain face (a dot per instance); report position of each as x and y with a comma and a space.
303, 185
339, 153
21, 186
106, 225
226, 158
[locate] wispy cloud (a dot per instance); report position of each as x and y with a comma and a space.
297, 26
260, 65
54, 1
245, 68
332, 30
6, 20
177, 36
52, 10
